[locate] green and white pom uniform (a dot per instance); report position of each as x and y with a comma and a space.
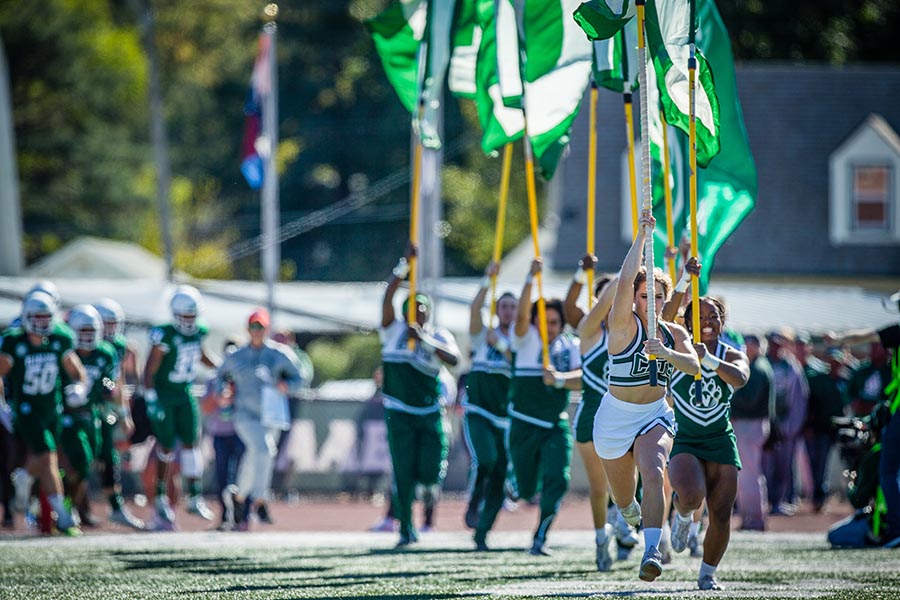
416, 436
539, 441
178, 417
485, 425
594, 385
704, 424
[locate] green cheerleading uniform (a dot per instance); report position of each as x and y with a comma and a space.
704, 424
34, 385
178, 417
539, 440
416, 436
594, 384
484, 426
80, 425
631, 367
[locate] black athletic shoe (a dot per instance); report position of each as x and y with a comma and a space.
472, 514
481, 546
263, 513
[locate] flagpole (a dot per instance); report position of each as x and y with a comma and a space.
592, 189
670, 228
533, 218
692, 151
414, 224
501, 224
270, 205
629, 135
646, 187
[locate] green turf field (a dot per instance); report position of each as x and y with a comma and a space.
342, 565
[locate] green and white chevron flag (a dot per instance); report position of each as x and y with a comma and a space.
602, 19
418, 41
615, 59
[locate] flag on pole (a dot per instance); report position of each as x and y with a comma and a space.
615, 60
254, 146
419, 41
668, 35
727, 187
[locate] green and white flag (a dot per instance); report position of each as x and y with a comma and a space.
668, 27
727, 188
500, 124
418, 41
556, 71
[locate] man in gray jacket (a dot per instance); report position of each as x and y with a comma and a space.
262, 367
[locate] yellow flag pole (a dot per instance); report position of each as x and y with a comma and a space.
414, 229
533, 217
592, 190
646, 186
632, 178
667, 170
501, 223
692, 145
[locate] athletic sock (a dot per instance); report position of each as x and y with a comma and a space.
706, 569
115, 501
695, 528
194, 487
652, 536
160, 489
600, 536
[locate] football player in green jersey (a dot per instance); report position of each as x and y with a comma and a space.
704, 460
175, 350
33, 358
116, 413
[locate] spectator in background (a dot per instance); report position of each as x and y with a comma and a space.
219, 410
752, 410
827, 399
791, 400
868, 382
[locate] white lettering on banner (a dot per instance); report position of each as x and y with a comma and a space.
304, 452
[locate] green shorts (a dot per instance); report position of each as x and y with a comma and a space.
37, 425
720, 449
177, 420
80, 437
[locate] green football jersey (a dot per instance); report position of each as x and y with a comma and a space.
707, 416
177, 369
35, 376
101, 363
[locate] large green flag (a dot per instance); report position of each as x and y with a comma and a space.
668, 27
727, 188
615, 60
533, 58
418, 42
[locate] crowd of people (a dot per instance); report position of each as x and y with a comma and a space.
680, 419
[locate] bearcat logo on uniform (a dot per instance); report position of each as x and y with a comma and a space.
712, 394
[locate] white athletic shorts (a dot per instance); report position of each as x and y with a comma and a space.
618, 423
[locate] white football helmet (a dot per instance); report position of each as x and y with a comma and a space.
85, 321
113, 317
185, 306
38, 313
48, 287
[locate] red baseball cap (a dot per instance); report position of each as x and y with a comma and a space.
260, 316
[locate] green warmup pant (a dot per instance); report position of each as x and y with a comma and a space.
488, 450
419, 455
108, 454
80, 437
177, 419
541, 459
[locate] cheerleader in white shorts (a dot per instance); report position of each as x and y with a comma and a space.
634, 425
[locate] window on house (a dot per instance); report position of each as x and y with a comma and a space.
871, 198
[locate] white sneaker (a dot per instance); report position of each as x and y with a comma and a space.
651, 564
694, 546
164, 513
604, 559
197, 506
626, 535
123, 517
681, 531
665, 547
631, 513
709, 582
23, 482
